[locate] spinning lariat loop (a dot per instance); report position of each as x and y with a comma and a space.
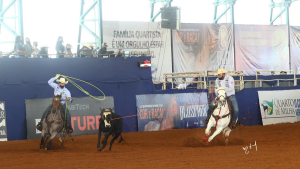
81, 89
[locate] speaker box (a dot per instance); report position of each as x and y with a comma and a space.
170, 17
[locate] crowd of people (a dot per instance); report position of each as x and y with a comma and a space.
28, 50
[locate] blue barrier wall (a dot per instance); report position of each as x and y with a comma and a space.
249, 111
27, 79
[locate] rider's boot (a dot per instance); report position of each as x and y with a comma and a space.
234, 127
69, 128
39, 126
206, 120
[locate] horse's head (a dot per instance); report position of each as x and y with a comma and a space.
56, 101
106, 115
221, 94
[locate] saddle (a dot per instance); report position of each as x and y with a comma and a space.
68, 128
218, 117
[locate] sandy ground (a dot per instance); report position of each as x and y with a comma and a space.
278, 146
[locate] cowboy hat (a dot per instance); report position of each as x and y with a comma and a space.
87, 45
220, 71
62, 80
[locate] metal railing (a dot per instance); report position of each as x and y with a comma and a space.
201, 84
272, 73
63, 55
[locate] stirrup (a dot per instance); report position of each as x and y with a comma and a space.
39, 126
69, 129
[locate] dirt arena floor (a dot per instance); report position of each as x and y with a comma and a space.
278, 146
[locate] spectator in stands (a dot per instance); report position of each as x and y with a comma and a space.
68, 53
226, 81
28, 47
19, 50
35, 49
103, 50
94, 52
60, 49
43, 52
184, 85
85, 51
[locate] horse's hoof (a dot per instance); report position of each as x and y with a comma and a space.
46, 149
207, 143
205, 138
226, 141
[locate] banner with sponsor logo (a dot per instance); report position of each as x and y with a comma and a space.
261, 47
171, 111
85, 114
295, 48
3, 131
279, 106
201, 47
139, 38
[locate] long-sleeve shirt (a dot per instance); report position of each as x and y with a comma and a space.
227, 83
57, 91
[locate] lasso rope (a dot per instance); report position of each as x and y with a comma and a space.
81, 89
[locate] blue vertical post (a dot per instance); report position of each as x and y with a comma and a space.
99, 37
20, 19
80, 23
1, 20
271, 15
100, 29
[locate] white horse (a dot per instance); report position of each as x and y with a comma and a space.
219, 119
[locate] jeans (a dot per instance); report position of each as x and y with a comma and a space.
49, 109
235, 107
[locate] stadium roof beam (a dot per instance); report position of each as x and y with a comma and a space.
284, 3
19, 17
168, 4
224, 2
99, 39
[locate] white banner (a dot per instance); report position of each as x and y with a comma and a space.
145, 37
279, 106
261, 47
201, 47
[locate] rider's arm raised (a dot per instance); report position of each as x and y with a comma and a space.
52, 84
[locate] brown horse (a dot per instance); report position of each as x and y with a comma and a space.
53, 124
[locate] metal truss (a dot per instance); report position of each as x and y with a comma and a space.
99, 39
224, 2
168, 4
19, 17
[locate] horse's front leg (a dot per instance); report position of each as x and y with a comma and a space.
218, 131
42, 142
208, 130
64, 137
53, 135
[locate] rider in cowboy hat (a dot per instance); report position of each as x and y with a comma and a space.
59, 89
226, 81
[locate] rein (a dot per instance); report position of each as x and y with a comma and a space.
220, 117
